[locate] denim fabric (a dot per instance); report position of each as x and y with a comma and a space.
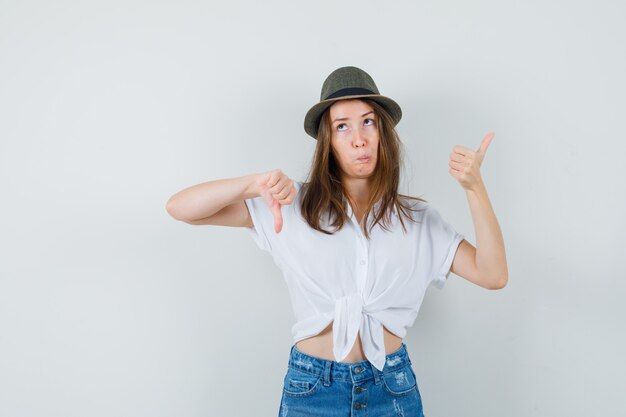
316, 387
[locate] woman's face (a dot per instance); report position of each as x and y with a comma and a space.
354, 134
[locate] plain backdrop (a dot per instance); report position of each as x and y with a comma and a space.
110, 307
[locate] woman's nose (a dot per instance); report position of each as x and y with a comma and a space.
358, 137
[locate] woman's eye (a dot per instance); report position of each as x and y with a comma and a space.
368, 122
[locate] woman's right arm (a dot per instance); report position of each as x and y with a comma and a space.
218, 202
221, 202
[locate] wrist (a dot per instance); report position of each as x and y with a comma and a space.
254, 184
477, 188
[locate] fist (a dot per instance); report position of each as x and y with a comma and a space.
277, 189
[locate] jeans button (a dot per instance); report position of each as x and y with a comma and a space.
358, 369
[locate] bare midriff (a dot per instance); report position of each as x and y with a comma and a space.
321, 345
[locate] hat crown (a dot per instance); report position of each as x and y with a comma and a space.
346, 78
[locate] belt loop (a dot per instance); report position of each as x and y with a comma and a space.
327, 365
376, 373
291, 354
406, 351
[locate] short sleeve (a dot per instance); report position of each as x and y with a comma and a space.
445, 241
263, 222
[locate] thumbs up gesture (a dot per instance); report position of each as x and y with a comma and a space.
277, 190
465, 163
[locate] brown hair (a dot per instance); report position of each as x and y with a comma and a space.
324, 193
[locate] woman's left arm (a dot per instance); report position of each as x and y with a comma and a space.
485, 264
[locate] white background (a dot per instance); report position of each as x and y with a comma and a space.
110, 307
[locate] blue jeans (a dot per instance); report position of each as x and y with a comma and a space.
316, 387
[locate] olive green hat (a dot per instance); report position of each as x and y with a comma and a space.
345, 83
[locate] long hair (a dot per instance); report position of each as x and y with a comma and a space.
325, 194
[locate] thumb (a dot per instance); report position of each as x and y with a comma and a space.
485, 143
274, 206
278, 216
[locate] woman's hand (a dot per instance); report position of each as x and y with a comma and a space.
277, 189
465, 164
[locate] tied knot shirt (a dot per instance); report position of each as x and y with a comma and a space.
360, 285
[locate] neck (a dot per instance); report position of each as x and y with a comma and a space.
358, 191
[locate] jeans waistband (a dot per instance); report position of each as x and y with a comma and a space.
352, 371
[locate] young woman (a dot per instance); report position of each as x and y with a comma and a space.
356, 255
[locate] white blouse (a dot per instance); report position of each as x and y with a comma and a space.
358, 284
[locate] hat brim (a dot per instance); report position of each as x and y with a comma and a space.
312, 118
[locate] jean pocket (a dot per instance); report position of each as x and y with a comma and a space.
300, 383
400, 382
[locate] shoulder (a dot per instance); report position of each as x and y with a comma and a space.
417, 208
300, 188
294, 207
